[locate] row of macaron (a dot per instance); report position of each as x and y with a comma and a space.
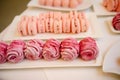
53, 22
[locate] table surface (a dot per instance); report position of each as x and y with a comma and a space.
82, 73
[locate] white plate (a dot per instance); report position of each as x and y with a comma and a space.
109, 20
100, 10
85, 4
110, 61
94, 31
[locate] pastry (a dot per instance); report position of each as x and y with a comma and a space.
33, 49
88, 49
69, 49
3, 48
51, 50
15, 51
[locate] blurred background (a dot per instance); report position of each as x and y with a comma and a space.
9, 9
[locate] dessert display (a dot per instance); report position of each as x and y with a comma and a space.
112, 5
53, 22
116, 22
68, 49
88, 49
60, 3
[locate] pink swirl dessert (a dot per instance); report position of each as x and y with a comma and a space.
51, 50
88, 49
33, 49
15, 51
116, 22
69, 49
3, 48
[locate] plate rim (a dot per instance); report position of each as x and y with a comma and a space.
117, 43
30, 4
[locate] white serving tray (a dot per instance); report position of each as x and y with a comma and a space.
93, 31
84, 5
100, 10
109, 21
110, 61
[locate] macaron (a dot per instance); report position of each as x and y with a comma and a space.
57, 26
57, 3
57, 15
22, 28
80, 1
32, 26
22, 25
49, 25
41, 26
116, 4
105, 2
49, 2
118, 8
110, 5
83, 22
42, 2
65, 3
75, 25
73, 3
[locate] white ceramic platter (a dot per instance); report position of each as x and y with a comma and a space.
110, 63
84, 5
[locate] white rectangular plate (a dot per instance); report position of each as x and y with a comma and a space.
93, 31
109, 21
84, 5
100, 10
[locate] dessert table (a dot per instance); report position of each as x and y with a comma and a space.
106, 41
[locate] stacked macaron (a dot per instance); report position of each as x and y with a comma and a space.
68, 49
116, 22
112, 5
53, 22
60, 3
